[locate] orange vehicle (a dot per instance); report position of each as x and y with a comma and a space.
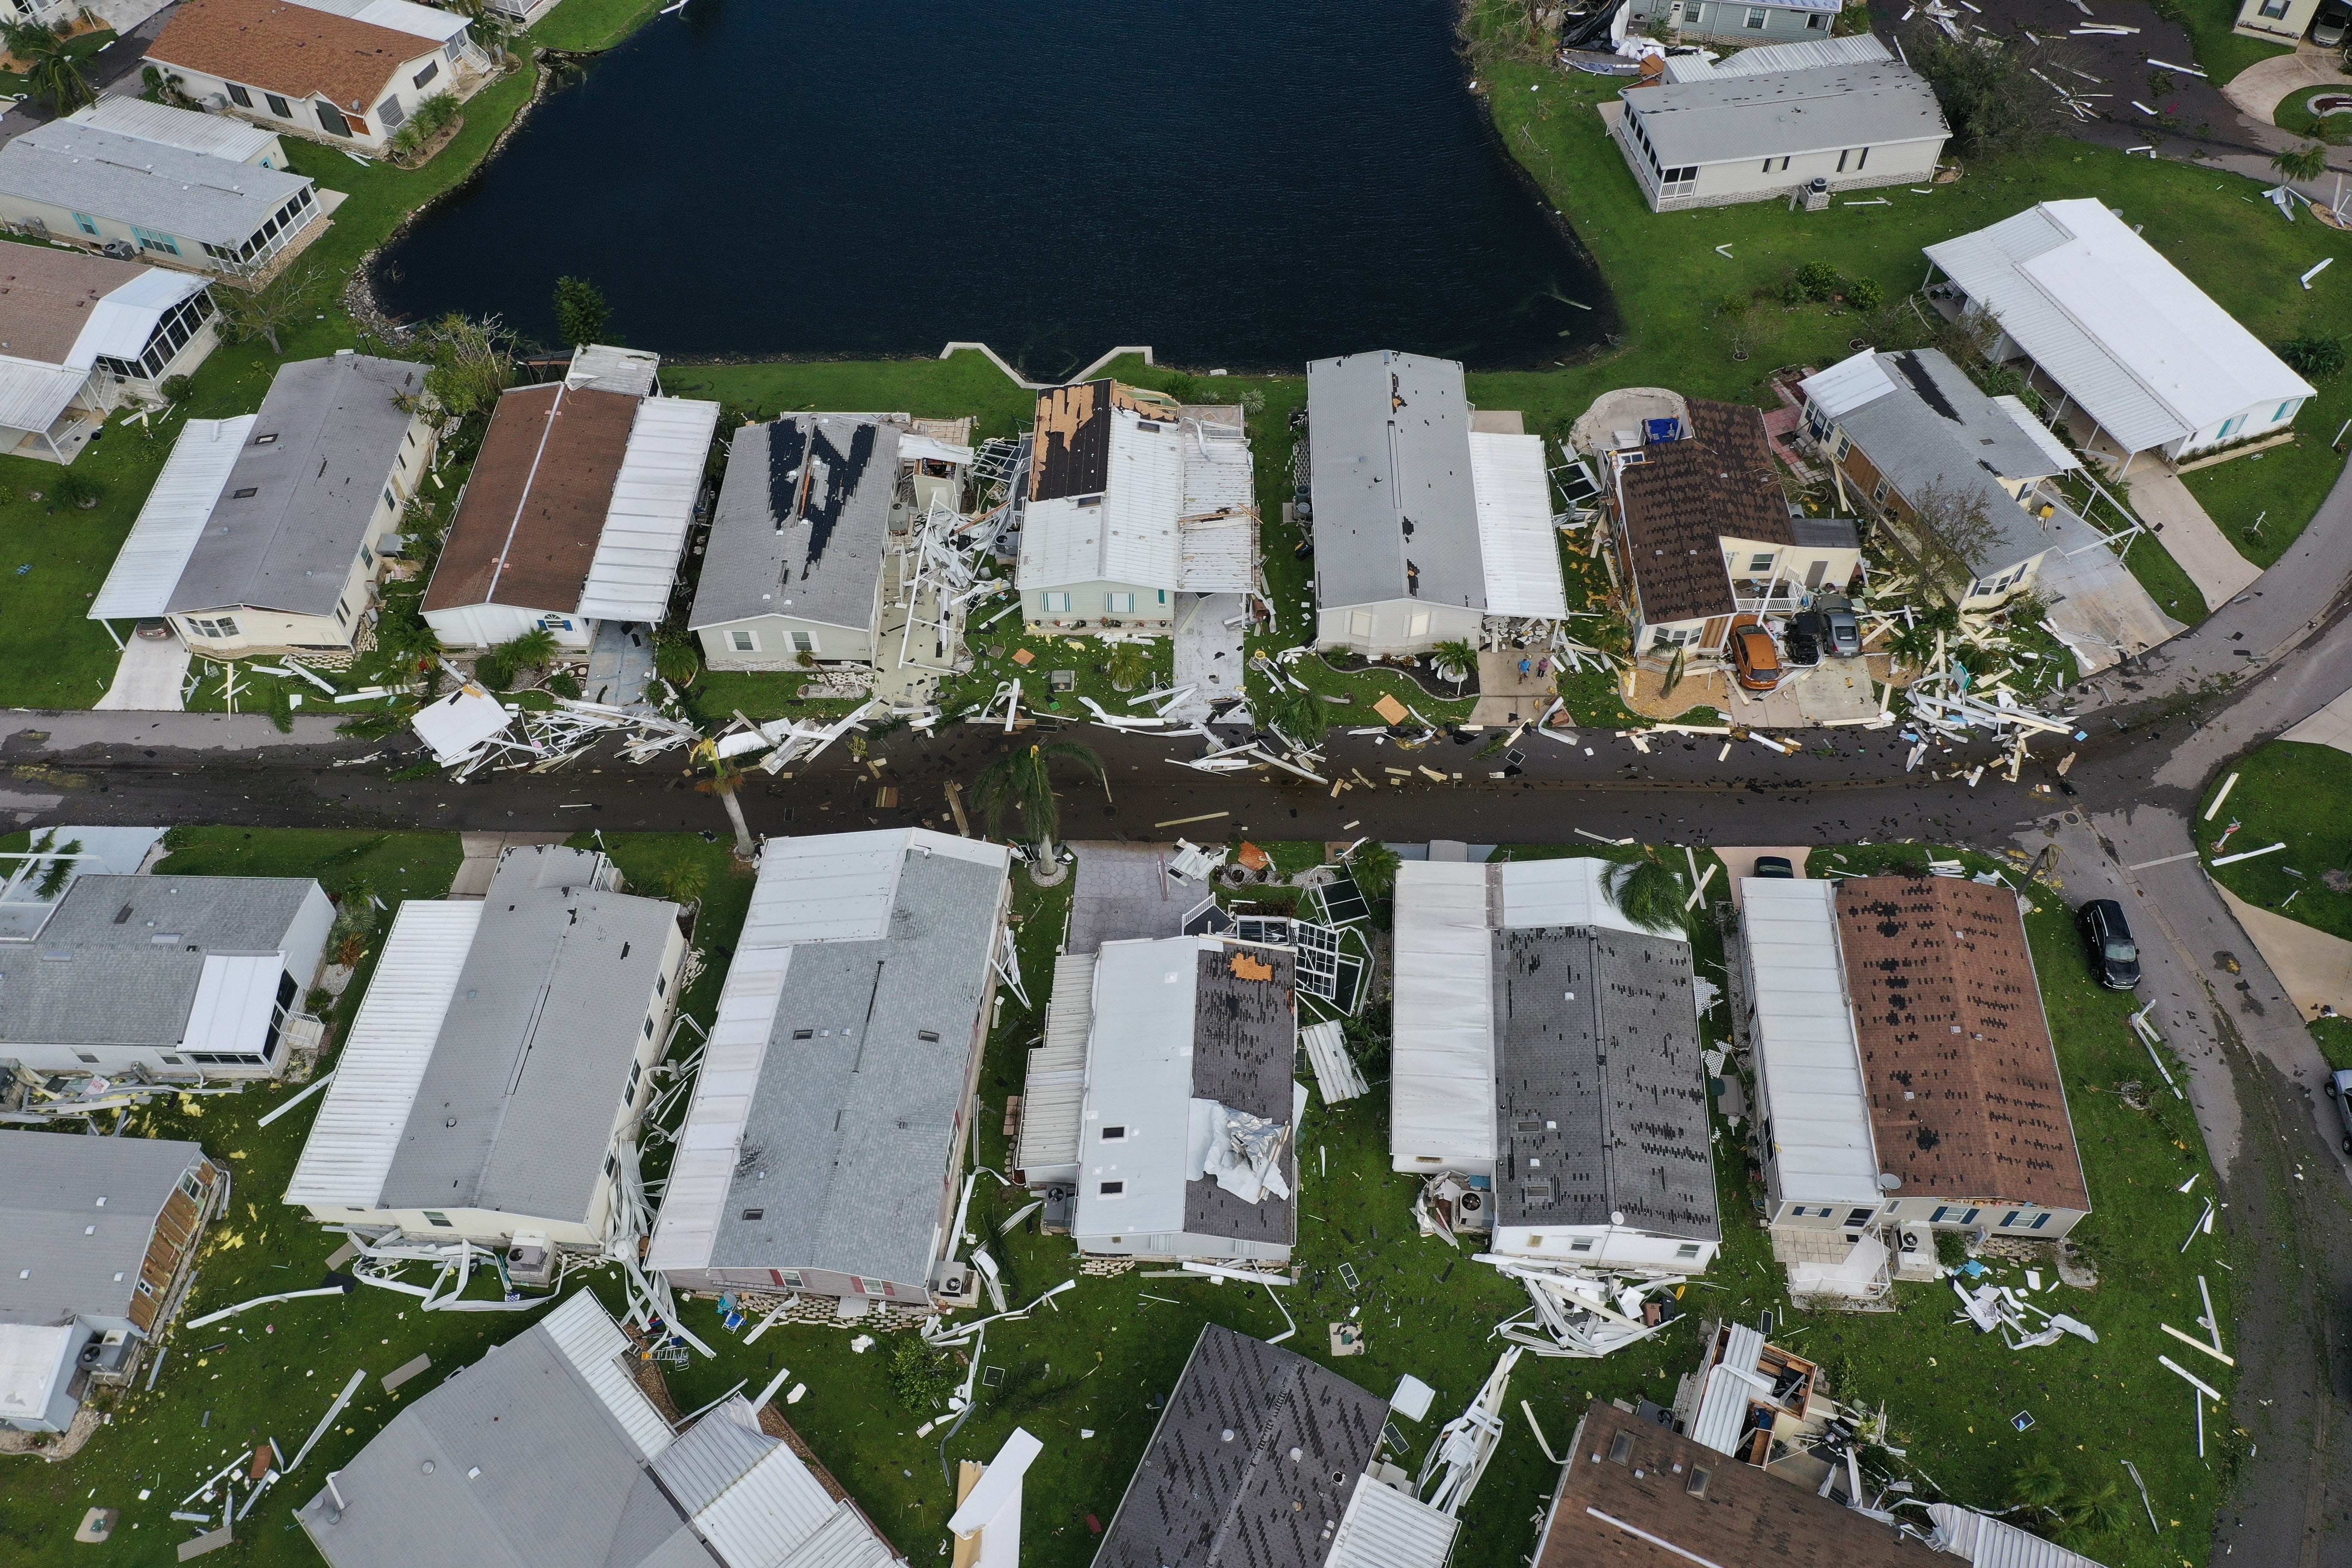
1753, 656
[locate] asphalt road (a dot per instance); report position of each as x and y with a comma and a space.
2156, 734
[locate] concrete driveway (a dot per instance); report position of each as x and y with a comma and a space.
2262, 87
2191, 537
148, 677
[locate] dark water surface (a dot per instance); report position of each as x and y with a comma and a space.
1242, 184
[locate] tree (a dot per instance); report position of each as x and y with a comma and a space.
1022, 780
472, 361
2040, 1490
1455, 660
534, 649
581, 311
51, 70
1952, 531
1737, 310
1987, 91
1373, 865
2307, 162
2088, 1512
686, 881
1300, 716
725, 779
246, 315
1130, 665
1646, 892
675, 661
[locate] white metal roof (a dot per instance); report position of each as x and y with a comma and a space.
172, 519
1130, 535
454, 725
593, 1343
2053, 450
32, 395
1848, 384
1808, 1061
2144, 351
1442, 1064
120, 324
1723, 1402
773, 1511
1568, 891
606, 368
832, 887
1385, 1527
217, 134
1053, 1094
1990, 1542
31, 1356
1861, 49
1518, 546
357, 1132
400, 16
235, 995
1140, 1075
653, 503
1218, 534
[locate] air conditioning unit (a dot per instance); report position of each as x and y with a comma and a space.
531, 1260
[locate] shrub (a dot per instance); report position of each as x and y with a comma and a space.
1865, 294
2314, 354
1819, 281
564, 685
76, 490
175, 388
919, 1375
432, 116
1130, 665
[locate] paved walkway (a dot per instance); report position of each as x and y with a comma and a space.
2314, 967
1505, 696
2262, 87
1208, 652
149, 677
2192, 539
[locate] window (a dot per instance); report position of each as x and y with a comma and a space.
1679, 182
342, 616
2009, 1219
1621, 1448
440, 1219
1687, 1250
1758, 16
1674, 637
1114, 1134
2274, 9
661, 985
84, 1055
649, 1028
432, 69
1858, 1217
556, 623
238, 96
1417, 624
1819, 22
636, 1074
1360, 623
741, 641
149, 239
367, 556
789, 1278
1878, 492
213, 626
1859, 159
612, 1164
804, 642
1761, 563
1055, 604
85, 223
1580, 1244
2287, 410
1119, 604
277, 106
390, 499
1970, 1217
1937, 1217
391, 113
2039, 1221
331, 121
1697, 1486
1112, 1190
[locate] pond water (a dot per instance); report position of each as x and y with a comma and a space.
1233, 184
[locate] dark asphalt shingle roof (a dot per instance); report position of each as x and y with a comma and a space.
1686, 497
1244, 1047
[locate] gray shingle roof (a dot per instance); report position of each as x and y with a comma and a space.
1217, 1486
101, 971
190, 195
290, 545
1821, 108
1245, 1046
850, 1133
803, 521
1600, 1102
535, 1049
49, 1186
1388, 435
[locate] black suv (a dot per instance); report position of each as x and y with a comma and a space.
1807, 632
2114, 954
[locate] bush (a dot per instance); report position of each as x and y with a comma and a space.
919, 1375
494, 670
566, 686
432, 116
2313, 354
1819, 281
76, 490
175, 388
1864, 294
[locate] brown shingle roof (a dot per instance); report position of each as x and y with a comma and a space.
1684, 497
534, 509
286, 48
46, 297
1965, 1097
1745, 1517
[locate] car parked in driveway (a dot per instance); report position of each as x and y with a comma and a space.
1776, 865
1844, 630
2115, 956
1809, 634
2335, 19
2339, 1090
1754, 657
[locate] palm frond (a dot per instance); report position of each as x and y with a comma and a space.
1646, 893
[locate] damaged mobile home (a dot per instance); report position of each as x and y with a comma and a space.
1188, 1136
493, 1077
821, 1149
1546, 1042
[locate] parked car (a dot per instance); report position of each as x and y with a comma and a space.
2339, 1090
1754, 657
2114, 954
2328, 28
1844, 631
155, 630
1777, 867
1808, 635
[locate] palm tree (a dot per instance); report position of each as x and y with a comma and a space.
2105, 1511
1373, 865
725, 779
57, 76
1300, 716
534, 649
2307, 162
1646, 892
1455, 660
686, 881
1023, 781
2041, 1489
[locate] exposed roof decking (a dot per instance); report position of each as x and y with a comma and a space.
803, 522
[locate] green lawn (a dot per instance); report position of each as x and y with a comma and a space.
2221, 53
2294, 793
2294, 113
967, 383
584, 24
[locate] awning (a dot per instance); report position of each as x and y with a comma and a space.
236, 999
148, 566
653, 503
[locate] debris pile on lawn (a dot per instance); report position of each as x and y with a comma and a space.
1449, 1205
1993, 1308
1583, 1315
1458, 1458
